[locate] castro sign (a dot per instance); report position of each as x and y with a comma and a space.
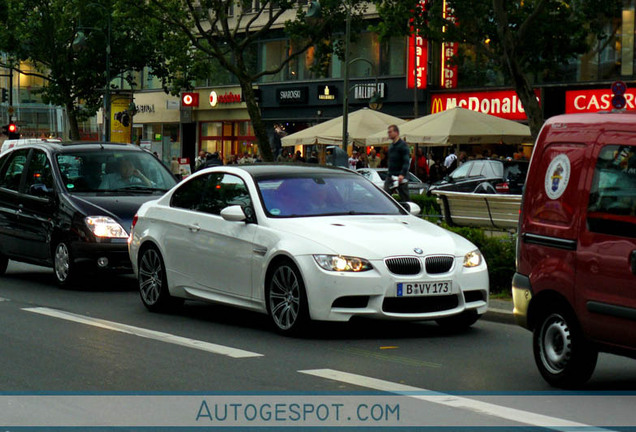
503, 103
584, 101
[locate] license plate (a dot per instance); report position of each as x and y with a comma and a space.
414, 289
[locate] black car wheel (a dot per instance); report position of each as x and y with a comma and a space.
4, 262
153, 284
64, 267
563, 356
286, 299
459, 322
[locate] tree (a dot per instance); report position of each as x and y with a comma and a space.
527, 39
43, 31
224, 33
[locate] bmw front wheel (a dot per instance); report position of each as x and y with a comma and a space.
153, 284
286, 299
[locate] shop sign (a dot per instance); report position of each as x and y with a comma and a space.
190, 99
296, 95
366, 91
417, 55
327, 92
449, 50
503, 103
585, 101
146, 109
172, 104
226, 98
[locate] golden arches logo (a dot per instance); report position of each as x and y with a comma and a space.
437, 105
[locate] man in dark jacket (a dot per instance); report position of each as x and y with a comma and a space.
399, 161
211, 160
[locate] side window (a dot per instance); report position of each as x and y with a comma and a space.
39, 177
224, 190
188, 196
12, 170
477, 169
612, 205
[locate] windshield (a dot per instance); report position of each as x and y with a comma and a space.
113, 170
324, 195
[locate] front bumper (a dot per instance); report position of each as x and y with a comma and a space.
338, 296
115, 252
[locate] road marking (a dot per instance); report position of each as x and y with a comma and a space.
378, 355
3, 299
476, 406
145, 333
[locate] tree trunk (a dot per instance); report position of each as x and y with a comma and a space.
74, 133
520, 81
249, 97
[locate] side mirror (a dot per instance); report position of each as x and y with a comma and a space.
412, 208
233, 214
40, 190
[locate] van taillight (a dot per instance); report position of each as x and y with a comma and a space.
502, 188
134, 221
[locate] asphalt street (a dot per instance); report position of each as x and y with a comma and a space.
99, 338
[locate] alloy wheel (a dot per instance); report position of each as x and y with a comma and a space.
150, 276
284, 297
62, 262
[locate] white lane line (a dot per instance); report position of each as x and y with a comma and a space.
476, 406
3, 299
145, 333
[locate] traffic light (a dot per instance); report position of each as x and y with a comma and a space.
11, 131
5, 95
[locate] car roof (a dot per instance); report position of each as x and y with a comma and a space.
267, 170
68, 147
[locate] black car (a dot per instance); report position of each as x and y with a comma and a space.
486, 176
70, 206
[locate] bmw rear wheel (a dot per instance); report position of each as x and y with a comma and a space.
153, 284
286, 299
64, 267
563, 356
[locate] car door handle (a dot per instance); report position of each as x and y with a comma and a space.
633, 261
194, 227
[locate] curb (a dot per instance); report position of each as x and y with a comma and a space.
499, 315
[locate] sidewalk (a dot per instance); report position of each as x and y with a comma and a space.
500, 311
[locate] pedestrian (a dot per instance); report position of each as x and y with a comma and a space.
174, 165
353, 160
422, 165
283, 156
373, 159
450, 163
298, 157
313, 159
398, 161
199, 160
211, 160
383, 158
362, 161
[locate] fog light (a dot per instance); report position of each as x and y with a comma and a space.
102, 262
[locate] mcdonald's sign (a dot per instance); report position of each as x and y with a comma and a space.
502, 103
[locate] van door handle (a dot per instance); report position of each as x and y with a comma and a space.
194, 227
633, 261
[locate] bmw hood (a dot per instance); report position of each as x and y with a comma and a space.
120, 208
377, 237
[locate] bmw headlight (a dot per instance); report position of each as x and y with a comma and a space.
472, 259
342, 263
105, 227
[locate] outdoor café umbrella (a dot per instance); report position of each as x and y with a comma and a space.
362, 123
458, 126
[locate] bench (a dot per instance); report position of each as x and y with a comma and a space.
479, 210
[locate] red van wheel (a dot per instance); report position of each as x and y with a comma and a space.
563, 356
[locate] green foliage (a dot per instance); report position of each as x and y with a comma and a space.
428, 204
499, 252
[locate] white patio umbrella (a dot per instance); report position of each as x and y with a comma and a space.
458, 126
362, 123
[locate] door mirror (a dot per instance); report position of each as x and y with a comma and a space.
40, 190
412, 208
233, 213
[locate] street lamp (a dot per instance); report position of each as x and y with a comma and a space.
79, 43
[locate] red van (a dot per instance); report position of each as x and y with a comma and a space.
575, 285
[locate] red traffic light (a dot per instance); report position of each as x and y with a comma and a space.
12, 128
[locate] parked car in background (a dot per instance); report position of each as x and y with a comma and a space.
485, 176
378, 175
575, 285
70, 206
303, 243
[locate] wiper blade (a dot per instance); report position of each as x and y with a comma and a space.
143, 188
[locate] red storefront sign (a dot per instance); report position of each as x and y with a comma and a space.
584, 101
417, 57
190, 99
502, 103
449, 50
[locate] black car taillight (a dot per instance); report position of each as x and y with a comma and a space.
502, 187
